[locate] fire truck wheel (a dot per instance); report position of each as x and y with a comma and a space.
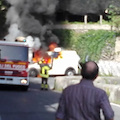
33, 73
70, 72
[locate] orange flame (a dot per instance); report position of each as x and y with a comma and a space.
39, 54
52, 46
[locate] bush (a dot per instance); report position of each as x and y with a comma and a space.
88, 45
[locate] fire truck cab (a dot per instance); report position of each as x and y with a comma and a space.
64, 62
14, 64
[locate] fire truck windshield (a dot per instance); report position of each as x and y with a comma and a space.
13, 53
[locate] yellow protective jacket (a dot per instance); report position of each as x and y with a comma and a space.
44, 72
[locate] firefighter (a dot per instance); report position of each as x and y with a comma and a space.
44, 73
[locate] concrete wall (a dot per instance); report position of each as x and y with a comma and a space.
110, 84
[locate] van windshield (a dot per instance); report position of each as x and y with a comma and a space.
17, 53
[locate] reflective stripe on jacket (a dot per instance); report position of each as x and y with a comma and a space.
44, 71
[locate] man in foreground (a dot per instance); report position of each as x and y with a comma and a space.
84, 101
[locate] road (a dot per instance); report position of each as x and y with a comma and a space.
33, 104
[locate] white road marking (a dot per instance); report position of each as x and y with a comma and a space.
115, 104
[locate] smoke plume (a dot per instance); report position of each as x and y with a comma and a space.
31, 18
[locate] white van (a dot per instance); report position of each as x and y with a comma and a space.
64, 62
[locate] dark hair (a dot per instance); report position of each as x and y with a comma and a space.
89, 70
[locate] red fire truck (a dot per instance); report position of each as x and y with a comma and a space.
14, 64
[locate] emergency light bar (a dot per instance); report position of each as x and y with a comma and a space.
58, 49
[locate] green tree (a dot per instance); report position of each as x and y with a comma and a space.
3, 9
114, 16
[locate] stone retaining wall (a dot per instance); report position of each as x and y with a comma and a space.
109, 68
83, 26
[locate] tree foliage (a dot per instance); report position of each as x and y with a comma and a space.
3, 10
114, 16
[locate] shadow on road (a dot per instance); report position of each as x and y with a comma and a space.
33, 104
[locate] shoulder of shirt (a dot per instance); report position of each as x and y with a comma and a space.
97, 89
71, 86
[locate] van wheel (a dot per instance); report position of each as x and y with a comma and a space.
33, 73
70, 72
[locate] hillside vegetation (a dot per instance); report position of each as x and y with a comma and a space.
92, 45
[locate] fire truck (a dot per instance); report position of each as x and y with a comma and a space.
14, 64
63, 62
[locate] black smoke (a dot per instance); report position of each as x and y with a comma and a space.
74, 10
30, 18
84, 7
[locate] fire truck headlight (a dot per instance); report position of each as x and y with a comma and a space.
23, 81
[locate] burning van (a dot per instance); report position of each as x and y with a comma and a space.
63, 62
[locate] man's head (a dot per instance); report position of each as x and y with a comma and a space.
89, 70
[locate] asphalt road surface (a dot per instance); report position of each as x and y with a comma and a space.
33, 104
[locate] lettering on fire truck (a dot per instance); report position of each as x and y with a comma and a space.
12, 66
